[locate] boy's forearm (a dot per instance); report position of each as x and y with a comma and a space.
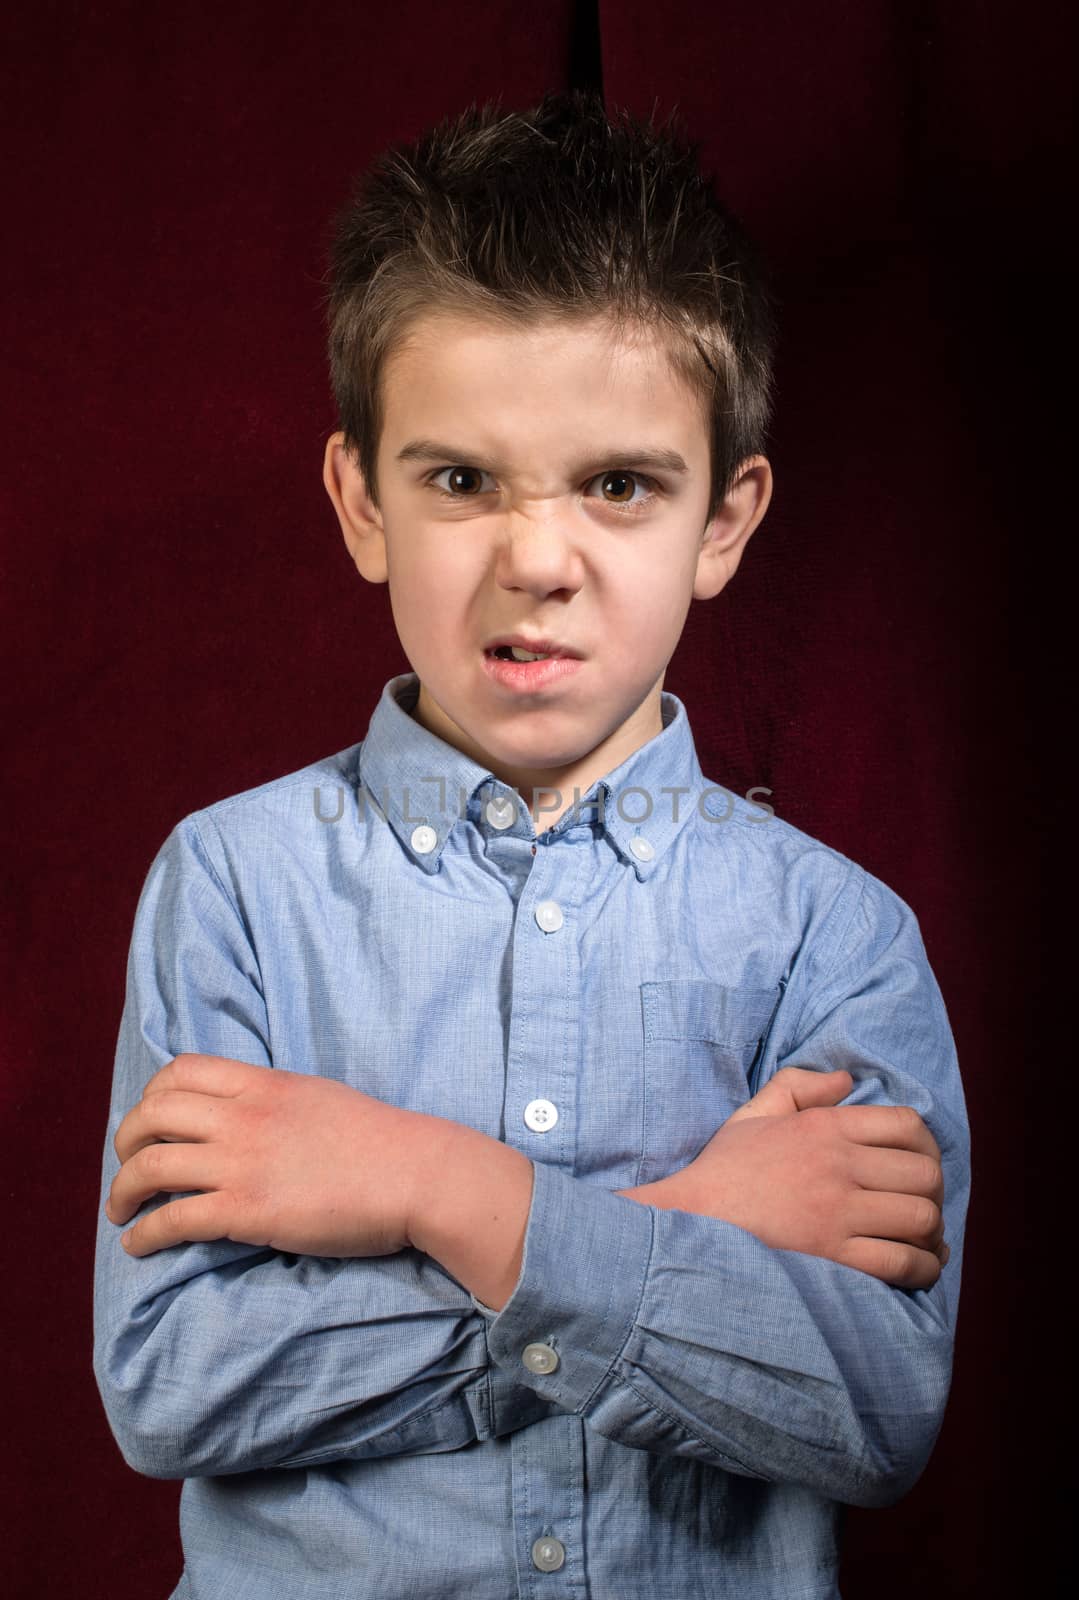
472, 1199
473, 1196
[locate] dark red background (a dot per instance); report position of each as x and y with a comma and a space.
183, 621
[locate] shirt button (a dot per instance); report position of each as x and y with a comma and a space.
641, 848
424, 839
499, 812
539, 1358
549, 915
548, 1554
541, 1115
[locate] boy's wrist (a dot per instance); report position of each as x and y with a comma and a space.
471, 1198
660, 1193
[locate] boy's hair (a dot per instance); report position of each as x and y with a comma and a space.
560, 211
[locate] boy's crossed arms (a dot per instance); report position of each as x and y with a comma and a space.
309, 1165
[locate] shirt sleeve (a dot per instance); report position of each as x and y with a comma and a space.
684, 1335
222, 1357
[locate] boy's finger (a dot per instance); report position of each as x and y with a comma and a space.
903, 1265
795, 1089
907, 1218
897, 1171
196, 1219
899, 1127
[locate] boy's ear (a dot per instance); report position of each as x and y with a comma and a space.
726, 536
360, 518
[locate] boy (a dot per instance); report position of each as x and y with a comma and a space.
523, 1244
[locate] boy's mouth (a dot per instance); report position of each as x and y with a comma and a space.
510, 652
515, 647
536, 668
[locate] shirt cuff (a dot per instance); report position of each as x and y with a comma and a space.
583, 1270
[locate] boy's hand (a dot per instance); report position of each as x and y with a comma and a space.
861, 1185
303, 1164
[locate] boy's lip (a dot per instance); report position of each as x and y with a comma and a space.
529, 677
539, 647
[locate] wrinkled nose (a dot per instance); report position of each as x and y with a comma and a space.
538, 555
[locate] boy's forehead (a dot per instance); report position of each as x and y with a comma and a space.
473, 366
432, 336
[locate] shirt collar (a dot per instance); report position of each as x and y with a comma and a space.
425, 787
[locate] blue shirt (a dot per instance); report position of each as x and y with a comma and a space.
665, 1406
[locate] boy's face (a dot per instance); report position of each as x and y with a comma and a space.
552, 524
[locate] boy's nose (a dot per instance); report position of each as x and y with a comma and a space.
539, 554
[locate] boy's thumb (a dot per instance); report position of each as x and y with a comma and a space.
796, 1089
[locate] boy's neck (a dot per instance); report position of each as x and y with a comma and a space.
536, 786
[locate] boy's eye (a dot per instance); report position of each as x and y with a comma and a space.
459, 491
617, 484
624, 483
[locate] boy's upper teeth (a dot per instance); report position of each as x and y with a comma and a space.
525, 655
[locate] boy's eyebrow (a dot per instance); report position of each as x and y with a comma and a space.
648, 456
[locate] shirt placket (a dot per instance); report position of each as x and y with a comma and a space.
541, 1119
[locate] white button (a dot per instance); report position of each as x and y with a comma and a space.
641, 848
424, 839
549, 915
548, 1554
541, 1115
499, 812
539, 1358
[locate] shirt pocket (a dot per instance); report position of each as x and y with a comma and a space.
701, 1041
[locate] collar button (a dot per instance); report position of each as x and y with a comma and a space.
500, 812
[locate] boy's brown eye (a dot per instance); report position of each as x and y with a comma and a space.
457, 474
625, 478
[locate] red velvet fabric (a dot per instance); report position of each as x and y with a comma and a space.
182, 620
